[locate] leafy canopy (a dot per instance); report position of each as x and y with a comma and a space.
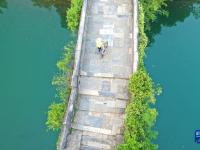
153, 8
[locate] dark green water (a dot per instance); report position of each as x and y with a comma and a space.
173, 60
31, 40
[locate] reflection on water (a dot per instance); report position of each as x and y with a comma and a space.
3, 4
178, 10
60, 5
31, 41
196, 11
173, 61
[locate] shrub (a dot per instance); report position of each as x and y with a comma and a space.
62, 80
140, 117
73, 14
141, 86
55, 116
62, 84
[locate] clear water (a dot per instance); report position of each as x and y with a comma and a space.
173, 60
31, 40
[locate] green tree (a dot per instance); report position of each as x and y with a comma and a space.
153, 8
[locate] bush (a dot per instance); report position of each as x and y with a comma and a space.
62, 80
55, 116
62, 84
140, 117
73, 14
141, 86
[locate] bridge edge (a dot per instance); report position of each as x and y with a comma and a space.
74, 82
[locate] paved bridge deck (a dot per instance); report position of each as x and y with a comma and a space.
103, 93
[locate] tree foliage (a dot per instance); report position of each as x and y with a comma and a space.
73, 14
153, 8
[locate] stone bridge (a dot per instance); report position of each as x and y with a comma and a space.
95, 116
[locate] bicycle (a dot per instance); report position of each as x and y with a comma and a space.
103, 49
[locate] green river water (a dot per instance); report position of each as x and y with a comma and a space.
173, 60
32, 37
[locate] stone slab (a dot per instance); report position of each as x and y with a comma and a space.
116, 88
101, 104
106, 123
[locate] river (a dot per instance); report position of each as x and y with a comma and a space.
32, 37
173, 60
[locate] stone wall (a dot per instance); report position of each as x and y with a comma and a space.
135, 36
74, 82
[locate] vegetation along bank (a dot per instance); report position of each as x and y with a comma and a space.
62, 80
140, 114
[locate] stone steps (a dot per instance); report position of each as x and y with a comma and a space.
113, 74
111, 140
104, 123
89, 148
110, 7
91, 129
98, 141
116, 88
84, 140
74, 140
101, 104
